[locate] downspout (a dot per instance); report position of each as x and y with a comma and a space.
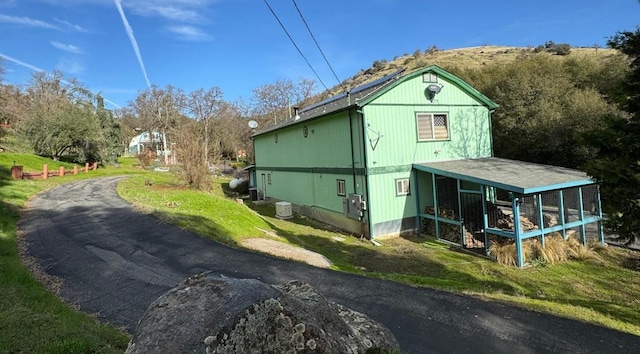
366, 172
491, 131
353, 159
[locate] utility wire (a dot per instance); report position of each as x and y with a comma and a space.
295, 45
316, 42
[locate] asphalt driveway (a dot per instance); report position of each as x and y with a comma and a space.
115, 261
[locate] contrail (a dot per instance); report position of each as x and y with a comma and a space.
21, 63
134, 43
35, 68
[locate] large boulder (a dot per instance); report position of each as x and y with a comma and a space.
210, 313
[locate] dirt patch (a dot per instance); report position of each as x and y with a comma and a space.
283, 250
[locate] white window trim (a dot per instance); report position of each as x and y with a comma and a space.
341, 186
403, 186
431, 121
430, 77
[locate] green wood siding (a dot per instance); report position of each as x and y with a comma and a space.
386, 205
392, 141
304, 170
327, 145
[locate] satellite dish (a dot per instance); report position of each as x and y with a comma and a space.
253, 124
431, 91
435, 89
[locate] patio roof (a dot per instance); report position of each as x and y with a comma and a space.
515, 176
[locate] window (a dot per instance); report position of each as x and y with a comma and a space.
402, 186
429, 77
269, 178
305, 131
341, 187
432, 126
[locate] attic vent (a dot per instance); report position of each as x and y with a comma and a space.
283, 210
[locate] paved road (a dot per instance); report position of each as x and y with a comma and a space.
115, 261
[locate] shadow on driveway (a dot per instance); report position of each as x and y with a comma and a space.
115, 261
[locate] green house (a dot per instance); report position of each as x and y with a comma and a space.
413, 152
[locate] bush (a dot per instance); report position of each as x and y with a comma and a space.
190, 152
146, 158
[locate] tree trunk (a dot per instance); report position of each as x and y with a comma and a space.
206, 143
164, 146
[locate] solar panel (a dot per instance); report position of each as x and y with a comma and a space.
375, 82
354, 90
325, 101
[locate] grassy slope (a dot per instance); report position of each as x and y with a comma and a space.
468, 58
597, 291
32, 320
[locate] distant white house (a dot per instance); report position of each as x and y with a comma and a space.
148, 141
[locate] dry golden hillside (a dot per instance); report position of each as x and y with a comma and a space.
467, 58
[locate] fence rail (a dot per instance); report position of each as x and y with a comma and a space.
18, 173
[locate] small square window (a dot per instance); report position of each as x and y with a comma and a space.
269, 178
429, 77
341, 188
402, 186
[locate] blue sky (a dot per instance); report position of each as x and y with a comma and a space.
237, 45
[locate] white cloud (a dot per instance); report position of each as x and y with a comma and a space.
26, 21
188, 33
71, 66
188, 11
67, 47
72, 26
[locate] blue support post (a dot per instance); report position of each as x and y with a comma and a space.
515, 205
463, 242
583, 233
417, 196
435, 204
599, 204
485, 220
540, 218
561, 214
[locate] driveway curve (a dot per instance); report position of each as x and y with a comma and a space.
114, 261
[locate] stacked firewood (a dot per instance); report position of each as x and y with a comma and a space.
498, 219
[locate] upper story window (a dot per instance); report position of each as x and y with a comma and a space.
432, 126
429, 77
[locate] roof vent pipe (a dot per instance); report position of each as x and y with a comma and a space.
296, 116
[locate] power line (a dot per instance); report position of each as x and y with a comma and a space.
295, 45
316, 42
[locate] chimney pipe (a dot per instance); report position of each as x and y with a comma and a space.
296, 116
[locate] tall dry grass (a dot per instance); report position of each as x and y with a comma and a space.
555, 250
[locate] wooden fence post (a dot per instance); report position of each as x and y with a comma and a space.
86, 167
61, 173
95, 165
75, 169
45, 171
16, 172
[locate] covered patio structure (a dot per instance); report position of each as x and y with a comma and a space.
474, 202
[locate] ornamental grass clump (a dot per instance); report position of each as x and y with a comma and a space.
553, 251
504, 250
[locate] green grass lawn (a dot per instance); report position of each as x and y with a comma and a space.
32, 320
600, 291
35, 321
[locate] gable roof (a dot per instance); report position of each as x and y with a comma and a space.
364, 94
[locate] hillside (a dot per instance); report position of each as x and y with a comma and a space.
463, 58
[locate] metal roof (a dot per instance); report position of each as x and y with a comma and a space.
364, 94
336, 103
515, 176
